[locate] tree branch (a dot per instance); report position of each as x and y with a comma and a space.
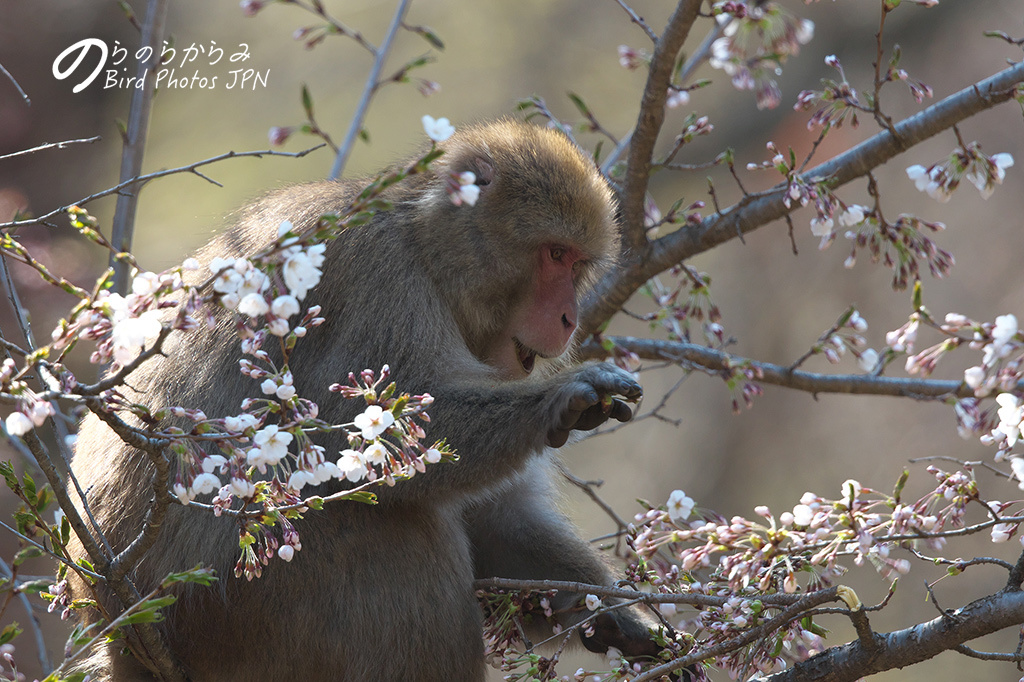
380, 54
911, 645
143, 179
712, 360
135, 139
649, 122
758, 210
50, 145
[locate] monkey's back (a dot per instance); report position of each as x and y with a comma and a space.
317, 608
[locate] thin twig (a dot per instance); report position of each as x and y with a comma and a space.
70, 564
638, 20
369, 88
699, 57
50, 145
34, 625
987, 655
144, 179
17, 86
16, 307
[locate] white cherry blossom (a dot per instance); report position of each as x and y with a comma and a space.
18, 424
439, 129
374, 421
680, 506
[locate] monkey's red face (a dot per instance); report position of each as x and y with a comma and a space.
544, 322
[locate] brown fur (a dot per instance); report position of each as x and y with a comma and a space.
384, 593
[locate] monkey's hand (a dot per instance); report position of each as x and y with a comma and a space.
631, 636
590, 398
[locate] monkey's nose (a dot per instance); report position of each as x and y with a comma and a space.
568, 323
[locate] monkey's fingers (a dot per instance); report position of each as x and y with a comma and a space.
629, 389
556, 437
591, 418
620, 411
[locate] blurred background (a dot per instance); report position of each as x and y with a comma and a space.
774, 304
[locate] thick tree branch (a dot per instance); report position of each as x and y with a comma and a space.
911, 645
649, 122
754, 211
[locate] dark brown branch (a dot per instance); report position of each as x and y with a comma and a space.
912, 645
759, 210
649, 122
42, 457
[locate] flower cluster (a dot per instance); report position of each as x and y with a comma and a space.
900, 245
941, 179
462, 188
847, 335
757, 40
1001, 371
632, 59
834, 103
769, 554
246, 287
123, 326
270, 464
742, 562
688, 301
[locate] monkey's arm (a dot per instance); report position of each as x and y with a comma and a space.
519, 534
498, 428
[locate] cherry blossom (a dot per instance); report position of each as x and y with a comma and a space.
285, 306
439, 129
18, 424
680, 506
373, 422
352, 465
205, 483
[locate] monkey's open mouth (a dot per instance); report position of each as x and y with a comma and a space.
525, 356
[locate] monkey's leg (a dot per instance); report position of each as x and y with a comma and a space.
519, 534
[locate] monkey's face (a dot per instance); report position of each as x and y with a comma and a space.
543, 322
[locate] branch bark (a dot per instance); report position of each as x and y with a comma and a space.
135, 140
754, 211
649, 122
713, 360
911, 645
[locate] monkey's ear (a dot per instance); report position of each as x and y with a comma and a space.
484, 170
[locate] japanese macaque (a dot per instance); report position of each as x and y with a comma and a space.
476, 305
